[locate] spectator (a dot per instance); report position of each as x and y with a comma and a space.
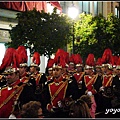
32, 109
87, 99
79, 109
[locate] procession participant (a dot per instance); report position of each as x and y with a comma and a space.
6, 61
50, 69
92, 82
71, 68
15, 93
61, 88
98, 70
23, 67
116, 86
79, 74
22, 59
98, 65
2, 81
39, 77
65, 56
115, 59
65, 67
107, 77
115, 101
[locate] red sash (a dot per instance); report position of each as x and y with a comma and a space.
53, 87
78, 76
7, 99
37, 78
107, 80
89, 82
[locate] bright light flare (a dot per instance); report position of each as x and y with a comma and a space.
73, 12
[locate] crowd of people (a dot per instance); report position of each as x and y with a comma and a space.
69, 88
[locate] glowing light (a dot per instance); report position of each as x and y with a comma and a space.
73, 12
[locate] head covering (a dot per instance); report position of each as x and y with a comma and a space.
78, 60
10, 70
98, 63
107, 58
63, 54
71, 59
50, 64
66, 54
22, 56
90, 61
115, 59
35, 60
118, 64
60, 60
10, 60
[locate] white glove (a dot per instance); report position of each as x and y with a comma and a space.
80, 82
12, 116
89, 93
59, 104
102, 88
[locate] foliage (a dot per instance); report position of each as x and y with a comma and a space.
85, 27
112, 30
40, 31
96, 34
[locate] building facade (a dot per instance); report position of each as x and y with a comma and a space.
92, 7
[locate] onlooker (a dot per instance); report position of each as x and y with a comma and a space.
32, 109
79, 109
87, 99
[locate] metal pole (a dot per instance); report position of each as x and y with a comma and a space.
73, 38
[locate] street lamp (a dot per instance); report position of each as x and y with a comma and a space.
73, 12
